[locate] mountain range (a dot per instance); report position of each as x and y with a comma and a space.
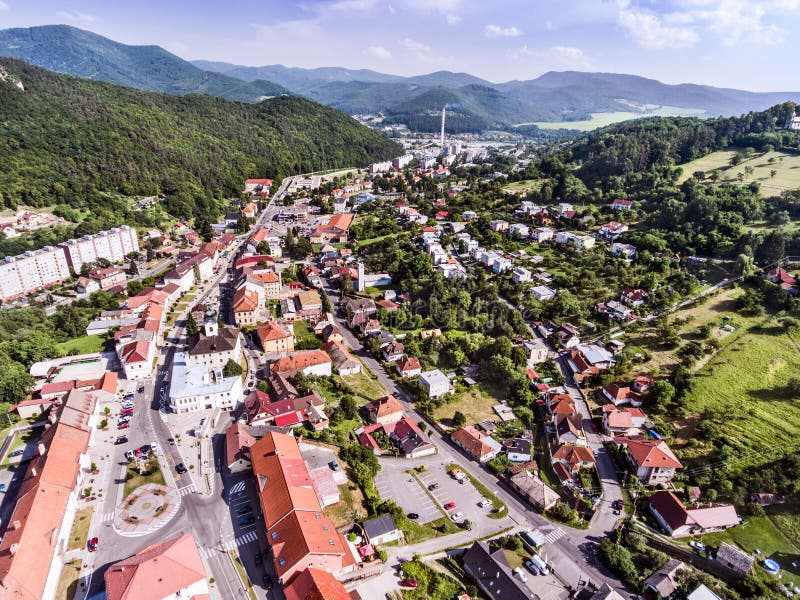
474, 103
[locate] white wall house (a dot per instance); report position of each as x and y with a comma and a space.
435, 383
196, 387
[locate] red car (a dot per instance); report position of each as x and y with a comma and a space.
409, 583
450, 506
92, 544
123, 425
126, 411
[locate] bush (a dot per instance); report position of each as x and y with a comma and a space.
459, 419
620, 561
231, 369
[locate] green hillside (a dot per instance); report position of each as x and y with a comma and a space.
85, 54
63, 140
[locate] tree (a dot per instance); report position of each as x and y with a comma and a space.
134, 287
192, 328
349, 407
662, 392
133, 268
459, 419
231, 369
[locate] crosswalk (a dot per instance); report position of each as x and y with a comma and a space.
187, 489
238, 487
231, 544
107, 517
554, 535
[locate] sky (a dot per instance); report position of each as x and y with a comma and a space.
744, 44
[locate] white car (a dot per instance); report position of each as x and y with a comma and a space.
457, 516
484, 502
700, 546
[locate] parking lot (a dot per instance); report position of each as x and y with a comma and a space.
464, 494
394, 484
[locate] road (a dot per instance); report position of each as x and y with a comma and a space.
209, 519
563, 551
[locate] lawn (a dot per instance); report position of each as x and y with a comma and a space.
609, 118
525, 186
762, 534
365, 386
304, 336
80, 529
83, 345
350, 508
745, 387
68, 584
434, 583
475, 402
21, 440
369, 241
242, 575
133, 479
786, 167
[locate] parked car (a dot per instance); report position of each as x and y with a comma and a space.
433, 486
146, 449
334, 465
532, 567
126, 411
457, 516
259, 559
409, 583
450, 506
413, 516
484, 502
123, 425
141, 389
243, 510
699, 546
248, 520
180, 468
91, 545
18, 452
267, 582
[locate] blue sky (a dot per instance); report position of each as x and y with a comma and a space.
746, 44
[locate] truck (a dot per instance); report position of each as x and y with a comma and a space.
458, 475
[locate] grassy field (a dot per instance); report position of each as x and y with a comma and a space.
523, 187
786, 167
83, 345
80, 529
68, 584
304, 336
745, 385
133, 479
608, 118
476, 404
366, 387
350, 508
760, 533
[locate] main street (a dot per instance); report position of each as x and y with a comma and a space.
209, 519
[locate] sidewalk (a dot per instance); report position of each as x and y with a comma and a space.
192, 435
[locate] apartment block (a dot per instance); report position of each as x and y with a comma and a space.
114, 245
32, 271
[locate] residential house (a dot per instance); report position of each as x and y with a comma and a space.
542, 234
587, 360
381, 530
612, 230
170, 569
501, 265
651, 461
620, 204
498, 225
86, 286
435, 383
665, 581
249, 304
239, 437
536, 351
256, 185
136, 350
268, 279
408, 367
343, 361
633, 297
534, 490
626, 251
735, 560
190, 272
249, 210
310, 362
358, 311
583, 242
619, 395
543, 293
476, 444
569, 429
624, 421
393, 352
335, 231
275, 338
491, 572
574, 458
384, 410
616, 311
519, 229
197, 387
641, 384
309, 305
561, 404
782, 278
678, 521
520, 275
518, 450
331, 333
217, 349
109, 277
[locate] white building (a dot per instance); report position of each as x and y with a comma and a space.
136, 351
519, 228
501, 265
543, 293
542, 234
114, 245
32, 271
380, 167
402, 161
435, 383
469, 215
583, 242
565, 237
521, 275
498, 225
196, 387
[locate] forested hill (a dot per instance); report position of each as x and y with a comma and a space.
63, 139
642, 148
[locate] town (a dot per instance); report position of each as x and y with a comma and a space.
278, 408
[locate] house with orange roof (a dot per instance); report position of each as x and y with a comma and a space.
678, 521
408, 366
256, 185
478, 445
316, 584
267, 279
41, 520
310, 362
619, 395
300, 535
384, 410
170, 569
249, 306
136, 350
623, 421
574, 458
335, 231
651, 461
249, 210
275, 338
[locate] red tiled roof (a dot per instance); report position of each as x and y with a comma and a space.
315, 584
299, 361
653, 454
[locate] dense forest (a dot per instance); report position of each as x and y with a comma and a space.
64, 140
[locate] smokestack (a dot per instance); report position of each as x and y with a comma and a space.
444, 111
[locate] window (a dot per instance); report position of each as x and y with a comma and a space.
274, 535
281, 561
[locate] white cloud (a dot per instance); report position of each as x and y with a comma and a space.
379, 52
72, 15
559, 58
497, 31
453, 19
346, 6
4, 5
648, 30
391, 9
414, 45
548, 24
440, 6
